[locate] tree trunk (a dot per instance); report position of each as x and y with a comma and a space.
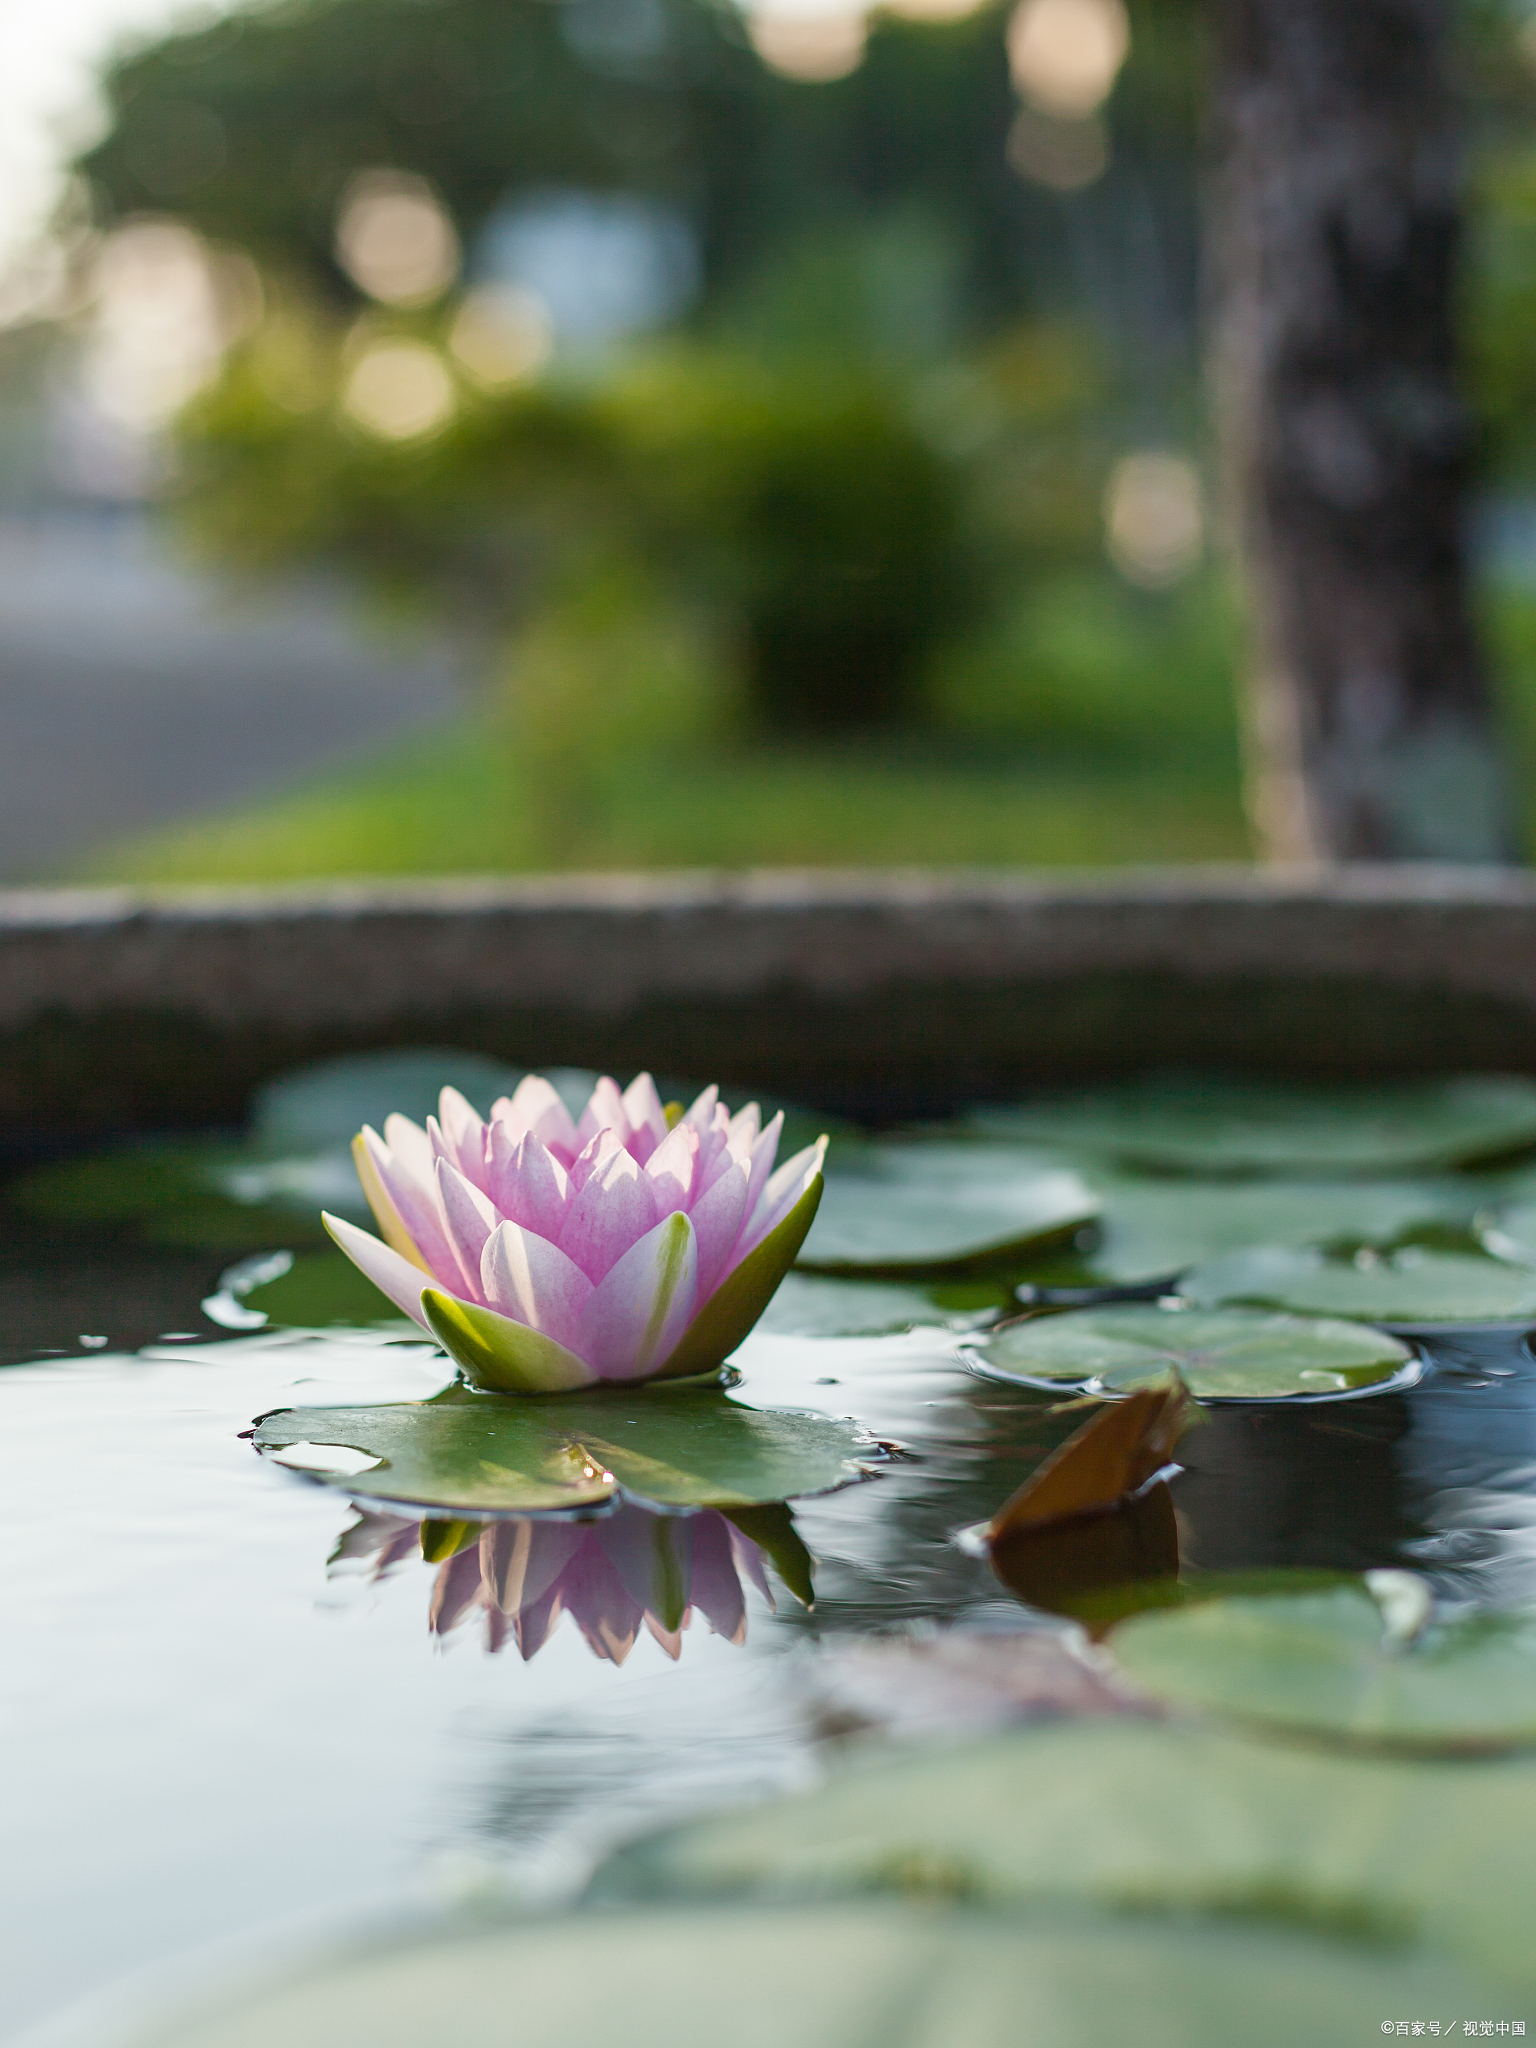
1370, 725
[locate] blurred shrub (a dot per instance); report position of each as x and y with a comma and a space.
831, 523
1085, 666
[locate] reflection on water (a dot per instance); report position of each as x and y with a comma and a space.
167, 1578
615, 1575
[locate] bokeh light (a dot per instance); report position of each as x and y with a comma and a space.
166, 308
1154, 520
1065, 55
394, 239
399, 390
814, 48
501, 334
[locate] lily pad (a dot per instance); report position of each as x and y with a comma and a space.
169, 1193
1219, 1124
827, 1976
1408, 1287
325, 1104
903, 1209
1509, 1232
312, 1291
463, 1453
816, 1305
1331, 1662
1165, 1818
1228, 1355
1157, 1226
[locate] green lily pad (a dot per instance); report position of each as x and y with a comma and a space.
1161, 1226
818, 1305
829, 1976
1509, 1232
315, 1106
1190, 1124
173, 1194
1226, 1355
904, 1209
463, 1453
1162, 1818
1408, 1287
1331, 1663
313, 1291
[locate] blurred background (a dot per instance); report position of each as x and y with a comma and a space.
485, 435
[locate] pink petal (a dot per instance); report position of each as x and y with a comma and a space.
527, 1182
597, 1151
748, 1557
407, 1172
701, 1111
715, 1588
455, 1591
672, 1168
605, 1111
465, 1135
607, 1615
521, 1560
671, 1640
717, 1217
647, 1116
536, 1107
735, 1150
783, 1191
471, 1217
638, 1312
531, 1280
534, 1625
765, 1149
614, 1210
409, 1146
746, 1123
647, 1549
391, 1274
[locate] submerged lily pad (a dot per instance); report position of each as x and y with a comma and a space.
830, 1976
1157, 1226
902, 1209
1168, 1819
1408, 1287
1218, 1124
469, 1453
1230, 1355
1331, 1662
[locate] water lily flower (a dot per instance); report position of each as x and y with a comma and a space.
545, 1254
631, 1569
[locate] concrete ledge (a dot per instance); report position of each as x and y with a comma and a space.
885, 991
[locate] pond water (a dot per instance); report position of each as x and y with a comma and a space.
233, 1701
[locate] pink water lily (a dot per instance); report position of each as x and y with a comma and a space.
546, 1254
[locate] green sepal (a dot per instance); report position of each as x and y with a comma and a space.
734, 1307
442, 1540
499, 1355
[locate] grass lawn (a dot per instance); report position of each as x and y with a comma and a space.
453, 802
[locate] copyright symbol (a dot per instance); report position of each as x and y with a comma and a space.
1386, 2026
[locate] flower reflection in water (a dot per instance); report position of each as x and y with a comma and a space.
613, 1574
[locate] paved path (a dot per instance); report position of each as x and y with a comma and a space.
133, 693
